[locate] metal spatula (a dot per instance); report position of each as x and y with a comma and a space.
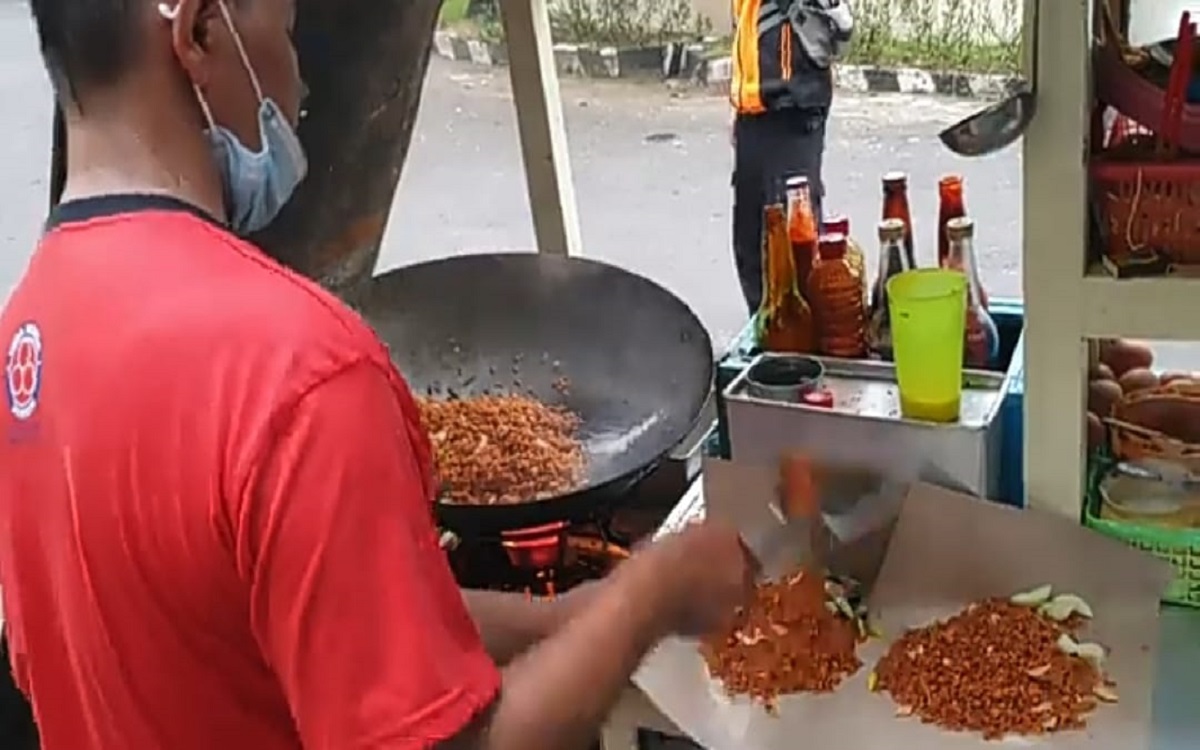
821, 507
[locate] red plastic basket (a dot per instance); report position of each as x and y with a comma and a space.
1146, 203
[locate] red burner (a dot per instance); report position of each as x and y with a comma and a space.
536, 548
549, 559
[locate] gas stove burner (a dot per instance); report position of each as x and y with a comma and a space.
584, 558
543, 565
536, 548
544, 560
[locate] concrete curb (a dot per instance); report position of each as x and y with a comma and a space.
689, 62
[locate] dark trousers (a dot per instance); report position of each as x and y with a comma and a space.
769, 148
17, 730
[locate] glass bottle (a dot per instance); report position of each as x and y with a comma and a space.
950, 206
892, 260
802, 229
840, 224
785, 321
982, 343
835, 291
895, 206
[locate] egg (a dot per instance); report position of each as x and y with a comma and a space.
1138, 379
1122, 355
1103, 395
1101, 371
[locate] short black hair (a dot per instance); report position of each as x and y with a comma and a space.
87, 44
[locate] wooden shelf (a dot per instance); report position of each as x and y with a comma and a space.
1066, 306
1166, 308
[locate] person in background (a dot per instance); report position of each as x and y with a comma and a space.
215, 490
781, 90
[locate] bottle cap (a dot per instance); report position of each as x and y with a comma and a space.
821, 398
960, 227
836, 223
832, 246
951, 180
891, 229
895, 178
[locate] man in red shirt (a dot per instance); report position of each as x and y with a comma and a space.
215, 528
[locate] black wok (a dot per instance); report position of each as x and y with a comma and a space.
638, 361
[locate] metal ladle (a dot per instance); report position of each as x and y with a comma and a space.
999, 125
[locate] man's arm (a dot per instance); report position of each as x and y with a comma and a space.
510, 623
359, 616
558, 694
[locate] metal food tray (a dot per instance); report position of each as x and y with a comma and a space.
865, 427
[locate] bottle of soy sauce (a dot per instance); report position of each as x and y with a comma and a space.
893, 260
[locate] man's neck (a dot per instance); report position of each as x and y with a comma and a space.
107, 156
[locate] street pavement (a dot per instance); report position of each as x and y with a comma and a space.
651, 166
652, 175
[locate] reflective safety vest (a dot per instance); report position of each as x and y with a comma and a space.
770, 67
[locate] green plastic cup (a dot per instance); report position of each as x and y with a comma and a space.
928, 310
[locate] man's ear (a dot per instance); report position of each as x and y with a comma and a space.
189, 35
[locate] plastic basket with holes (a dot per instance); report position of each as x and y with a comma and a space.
1178, 546
1144, 172
1145, 207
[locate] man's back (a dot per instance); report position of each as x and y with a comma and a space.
150, 359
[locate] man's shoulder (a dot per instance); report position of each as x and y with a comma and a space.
271, 312
201, 295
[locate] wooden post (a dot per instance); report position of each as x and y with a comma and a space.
540, 123
1055, 177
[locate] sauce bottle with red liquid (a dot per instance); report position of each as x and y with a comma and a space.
802, 229
982, 342
840, 224
785, 320
950, 206
835, 292
892, 260
895, 206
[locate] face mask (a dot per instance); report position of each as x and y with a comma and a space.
256, 183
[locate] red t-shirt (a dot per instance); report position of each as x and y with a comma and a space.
215, 529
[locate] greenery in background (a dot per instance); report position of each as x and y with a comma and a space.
453, 12
476, 19
937, 35
930, 34
619, 23
625, 23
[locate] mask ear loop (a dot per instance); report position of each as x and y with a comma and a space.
204, 108
241, 48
